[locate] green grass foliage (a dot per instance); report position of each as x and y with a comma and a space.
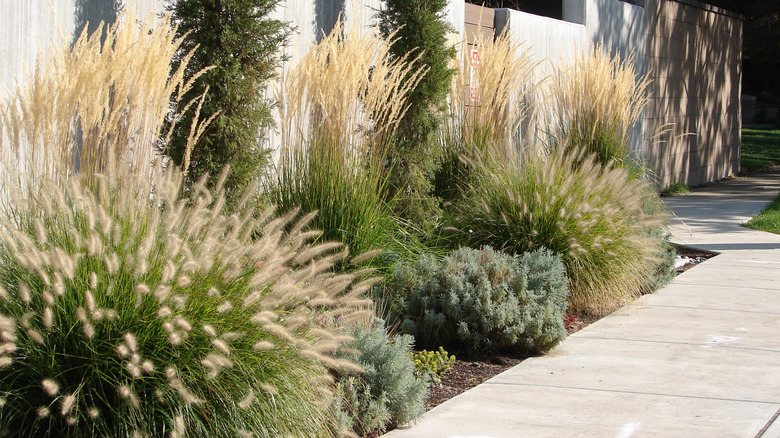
760, 148
768, 220
347, 196
675, 188
481, 300
389, 392
593, 215
126, 310
333, 148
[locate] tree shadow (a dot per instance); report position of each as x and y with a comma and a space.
89, 13
326, 14
694, 60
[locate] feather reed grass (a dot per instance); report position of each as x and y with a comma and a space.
98, 104
488, 123
596, 100
340, 106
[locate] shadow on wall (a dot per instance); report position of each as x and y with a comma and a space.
326, 13
694, 58
620, 26
89, 13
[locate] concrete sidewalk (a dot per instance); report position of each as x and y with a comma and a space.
699, 358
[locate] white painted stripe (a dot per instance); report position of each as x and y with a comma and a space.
762, 262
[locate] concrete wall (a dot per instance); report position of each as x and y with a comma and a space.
693, 56
27, 25
314, 18
618, 25
691, 51
549, 39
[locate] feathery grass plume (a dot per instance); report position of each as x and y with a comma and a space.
591, 214
340, 106
157, 357
596, 100
97, 104
493, 119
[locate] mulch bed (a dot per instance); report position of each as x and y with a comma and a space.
694, 256
469, 372
466, 374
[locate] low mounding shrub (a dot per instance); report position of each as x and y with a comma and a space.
434, 364
475, 300
389, 391
125, 317
595, 216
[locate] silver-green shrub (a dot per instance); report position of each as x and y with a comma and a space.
475, 300
126, 310
389, 391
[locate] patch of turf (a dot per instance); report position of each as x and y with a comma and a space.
760, 147
768, 220
675, 189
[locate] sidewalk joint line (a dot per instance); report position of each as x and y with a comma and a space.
624, 391
768, 425
682, 283
759, 262
718, 309
695, 344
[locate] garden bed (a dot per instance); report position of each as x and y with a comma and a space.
470, 372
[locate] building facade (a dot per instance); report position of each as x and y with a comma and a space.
691, 51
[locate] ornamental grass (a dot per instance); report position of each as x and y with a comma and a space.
340, 106
592, 214
131, 307
596, 99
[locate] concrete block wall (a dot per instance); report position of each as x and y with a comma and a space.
548, 39
693, 56
691, 51
29, 25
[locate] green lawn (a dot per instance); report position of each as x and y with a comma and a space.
760, 147
767, 220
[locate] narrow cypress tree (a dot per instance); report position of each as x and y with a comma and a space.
422, 34
243, 45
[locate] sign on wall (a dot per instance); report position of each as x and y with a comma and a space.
473, 81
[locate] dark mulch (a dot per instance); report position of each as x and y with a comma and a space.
694, 256
466, 374
470, 372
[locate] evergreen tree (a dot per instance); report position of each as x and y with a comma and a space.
422, 35
243, 45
